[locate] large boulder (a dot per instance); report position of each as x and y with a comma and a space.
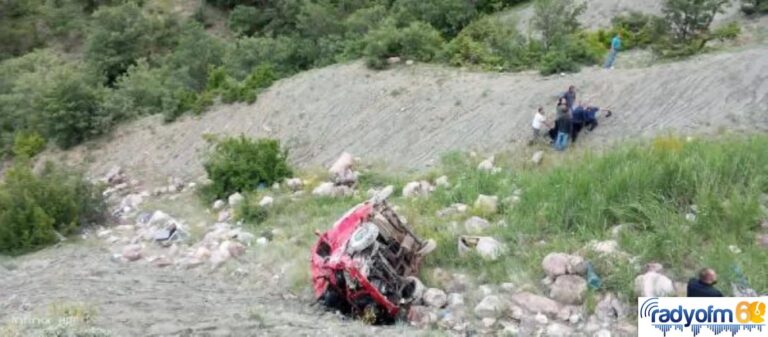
435, 298
653, 284
536, 303
569, 289
556, 264
487, 204
476, 225
490, 307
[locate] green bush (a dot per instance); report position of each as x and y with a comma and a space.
250, 52
242, 20
557, 61
118, 36
139, 92
241, 164
33, 206
419, 41
447, 16
28, 144
195, 55
318, 19
638, 30
489, 44
730, 31
750, 7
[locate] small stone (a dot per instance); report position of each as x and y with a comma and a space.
455, 300
435, 298
536, 303
603, 333
734, 249
294, 184
162, 262
489, 248
159, 218
235, 199
409, 62
218, 205
490, 307
487, 204
324, 190
393, 60
690, 217
442, 181
537, 157
486, 165
541, 319
516, 312
266, 201
262, 241
653, 284
485, 290
224, 216
569, 289
103, 233
276, 186
488, 322
558, 330
132, 252
556, 264
476, 224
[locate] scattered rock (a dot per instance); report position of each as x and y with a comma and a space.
417, 189
114, 175
324, 190
235, 199
159, 218
537, 157
202, 253
219, 256
341, 172
488, 322
556, 264
490, 307
234, 248
294, 184
421, 316
536, 303
690, 217
541, 319
487, 247
734, 249
103, 233
162, 262
393, 60
610, 308
132, 252
653, 284
486, 165
443, 182
476, 224
603, 333
218, 205
455, 300
608, 247
262, 241
558, 330
435, 298
510, 329
487, 204
266, 201
569, 289
224, 215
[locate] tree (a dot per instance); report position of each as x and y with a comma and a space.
117, 38
556, 20
689, 20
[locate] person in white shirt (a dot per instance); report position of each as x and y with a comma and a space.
539, 121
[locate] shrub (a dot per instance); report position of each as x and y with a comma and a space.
750, 7
317, 19
447, 16
240, 164
638, 29
139, 92
556, 20
248, 53
28, 144
242, 20
195, 55
418, 41
557, 61
33, 206
487, 43
118, 36
730, 31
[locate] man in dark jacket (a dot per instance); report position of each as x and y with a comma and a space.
704, 285
564, 127
570, 98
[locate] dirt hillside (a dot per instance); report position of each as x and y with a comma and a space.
410, 115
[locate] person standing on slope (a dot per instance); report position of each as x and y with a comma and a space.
569, 97
615, 47
539, 121
564, 127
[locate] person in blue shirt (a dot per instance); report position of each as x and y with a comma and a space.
615, 47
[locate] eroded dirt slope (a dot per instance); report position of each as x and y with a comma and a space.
410, 115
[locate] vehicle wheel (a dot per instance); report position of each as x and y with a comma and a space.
363, 237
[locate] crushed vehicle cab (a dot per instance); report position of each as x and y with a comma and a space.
366, 265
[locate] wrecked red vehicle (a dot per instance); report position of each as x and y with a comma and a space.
366, 265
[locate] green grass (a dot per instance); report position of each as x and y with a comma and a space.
570, 201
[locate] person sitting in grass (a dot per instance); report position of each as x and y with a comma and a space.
704, 285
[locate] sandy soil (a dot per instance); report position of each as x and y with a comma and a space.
410, 115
